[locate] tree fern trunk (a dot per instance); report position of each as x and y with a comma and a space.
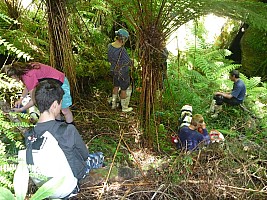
150, 45
61, 56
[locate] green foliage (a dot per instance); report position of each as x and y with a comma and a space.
21, 179
250, 12
11, 49
6, 46
10, 139
31, 35
6, 22
10, 142
204, 72
8, 88
89, 38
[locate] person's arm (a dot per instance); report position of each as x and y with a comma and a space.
205, 135
23, 95
79, 144
73, 140
27, 106
125, 58
224, 94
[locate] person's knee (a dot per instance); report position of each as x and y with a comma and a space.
219, 99
123, 94
115, 90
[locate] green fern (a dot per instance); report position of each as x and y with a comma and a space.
211, 62
5, 182
6, 22
13, 50
253, 82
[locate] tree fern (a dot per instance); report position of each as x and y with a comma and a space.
252, 82
11, 49
211, 62
6, 22
4, 181
225, 70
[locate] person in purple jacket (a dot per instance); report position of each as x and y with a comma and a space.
33, 73
189, 136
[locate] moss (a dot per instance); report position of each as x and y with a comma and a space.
254, 47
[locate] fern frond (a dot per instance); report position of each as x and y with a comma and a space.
226, 69
19, 145
5, 182
7, 19
253, 82
195, 76
13, 50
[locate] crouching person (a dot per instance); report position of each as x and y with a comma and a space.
190, 136
55, 149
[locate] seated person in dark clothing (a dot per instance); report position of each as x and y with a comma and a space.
233, 98
189, 135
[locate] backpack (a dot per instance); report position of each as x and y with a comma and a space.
186, 116
45, 160
184, 120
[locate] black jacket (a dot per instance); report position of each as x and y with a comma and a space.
71, 143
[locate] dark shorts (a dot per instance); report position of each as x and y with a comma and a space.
121, 80
220, 100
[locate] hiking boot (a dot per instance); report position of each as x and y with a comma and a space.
124, 105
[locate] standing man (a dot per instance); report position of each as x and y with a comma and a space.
119, 68
233, 98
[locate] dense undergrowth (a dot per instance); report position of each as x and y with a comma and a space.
234, 169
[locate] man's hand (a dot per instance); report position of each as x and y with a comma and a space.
218, 93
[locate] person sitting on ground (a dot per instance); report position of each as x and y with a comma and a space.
31, 74
233, 98
48, 98
189, 135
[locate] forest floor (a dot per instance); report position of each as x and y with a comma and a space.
233, 170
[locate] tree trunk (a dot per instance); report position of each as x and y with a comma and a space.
150, 54
61, 56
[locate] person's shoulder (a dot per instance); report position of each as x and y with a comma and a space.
184, 129
111, 47
241, 82
70, 128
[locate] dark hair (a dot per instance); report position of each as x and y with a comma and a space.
234, 73
18, 69
45, 93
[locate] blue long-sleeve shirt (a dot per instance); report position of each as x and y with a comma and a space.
189, 139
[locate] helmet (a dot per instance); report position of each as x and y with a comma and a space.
122, 34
